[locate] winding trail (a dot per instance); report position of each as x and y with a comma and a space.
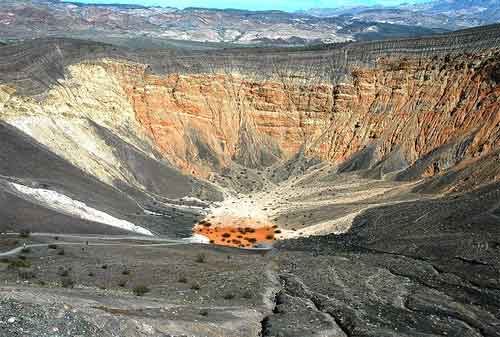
161, 242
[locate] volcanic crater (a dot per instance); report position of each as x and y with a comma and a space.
362, 179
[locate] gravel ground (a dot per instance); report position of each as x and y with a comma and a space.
24, 319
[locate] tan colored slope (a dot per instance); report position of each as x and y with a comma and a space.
62, 120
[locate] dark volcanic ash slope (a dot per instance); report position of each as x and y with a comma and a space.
424, 268
38, 169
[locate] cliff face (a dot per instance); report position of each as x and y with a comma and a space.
203, 121
428, 112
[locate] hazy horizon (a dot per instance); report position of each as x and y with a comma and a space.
256, 5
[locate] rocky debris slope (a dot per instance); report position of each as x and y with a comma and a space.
424, 268
414, 268
188, 291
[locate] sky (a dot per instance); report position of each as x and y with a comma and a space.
285, 5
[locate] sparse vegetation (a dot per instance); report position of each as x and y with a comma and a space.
228, 296
201, 258
140, 290
25, 233
67, 282
247, 294
26, 274
19, 263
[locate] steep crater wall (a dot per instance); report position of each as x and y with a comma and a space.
412, 106
425, 107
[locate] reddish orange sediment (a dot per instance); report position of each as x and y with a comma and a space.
414, 105
236, 232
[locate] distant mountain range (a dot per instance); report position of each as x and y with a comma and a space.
139, 26
446, 14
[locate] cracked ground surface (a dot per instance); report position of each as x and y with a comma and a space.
425, 267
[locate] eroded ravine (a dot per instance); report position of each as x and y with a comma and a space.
316, 203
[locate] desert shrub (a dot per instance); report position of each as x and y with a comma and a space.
140, 290
24, 233
122, 284
195, 286
25, 250
26, 274
204, 312
183, 279
52, 246
67, 282
18, 263
201, 258
247, 294
228, 296
104, 266
126, 272
91, 274
60, 252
